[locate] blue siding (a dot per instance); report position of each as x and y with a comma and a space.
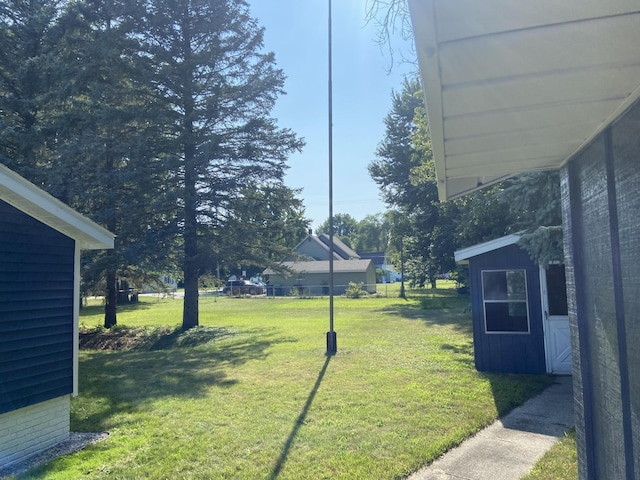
507, 352
36, 311
601, 216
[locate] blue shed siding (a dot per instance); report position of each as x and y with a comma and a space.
507, 352
36, 311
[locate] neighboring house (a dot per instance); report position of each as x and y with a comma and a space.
307, 269
379, 259
312, 277
40, 243
318, 248
519, 310
522, 86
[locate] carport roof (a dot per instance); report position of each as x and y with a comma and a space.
516, 86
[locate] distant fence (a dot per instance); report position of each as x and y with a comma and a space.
323, 290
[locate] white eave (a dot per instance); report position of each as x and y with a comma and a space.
515, 86
464, 254
26, 197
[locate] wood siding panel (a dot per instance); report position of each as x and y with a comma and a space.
36, 311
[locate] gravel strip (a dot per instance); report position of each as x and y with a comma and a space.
77, 441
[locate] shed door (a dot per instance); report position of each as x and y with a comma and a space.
557, 337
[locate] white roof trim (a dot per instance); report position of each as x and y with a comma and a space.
26, 197
322, 267
514, 87
490, 246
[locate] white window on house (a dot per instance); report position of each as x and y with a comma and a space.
504, 294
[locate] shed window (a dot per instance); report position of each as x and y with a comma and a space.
504, 293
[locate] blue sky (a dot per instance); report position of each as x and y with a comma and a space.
296, 30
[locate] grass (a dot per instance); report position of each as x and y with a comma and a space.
559, 463
250, 393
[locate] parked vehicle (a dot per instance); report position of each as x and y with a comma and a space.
242, 287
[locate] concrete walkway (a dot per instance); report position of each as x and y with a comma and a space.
508, 449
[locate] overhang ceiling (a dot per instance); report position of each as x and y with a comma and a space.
516, 86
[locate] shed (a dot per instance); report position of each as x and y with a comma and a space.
519, 310
40, 243
312, 277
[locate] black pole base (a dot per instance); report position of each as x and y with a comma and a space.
332, 343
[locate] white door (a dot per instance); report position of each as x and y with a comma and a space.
557, 337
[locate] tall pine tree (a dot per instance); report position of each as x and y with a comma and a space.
109, 163
28, 35
219, 89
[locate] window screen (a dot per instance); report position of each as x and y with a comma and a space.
504, 295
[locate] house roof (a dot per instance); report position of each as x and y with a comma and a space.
340, 250
26, 197
313, 238
521, 86
339, 247
322, 266
463, 255
378, 258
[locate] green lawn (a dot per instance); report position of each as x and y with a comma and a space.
559, 463
250, 393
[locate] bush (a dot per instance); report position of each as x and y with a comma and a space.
354, 290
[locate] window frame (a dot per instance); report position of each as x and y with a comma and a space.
507, 301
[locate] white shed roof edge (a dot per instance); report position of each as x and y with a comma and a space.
491, 245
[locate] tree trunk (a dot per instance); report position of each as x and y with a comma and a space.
110, 302
191, 267
190, 311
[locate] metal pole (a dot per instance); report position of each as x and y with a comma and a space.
402, 293
332, 346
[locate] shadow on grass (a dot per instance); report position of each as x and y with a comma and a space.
435, 307
128, 307
510, 390
462, 354
298, 423
447, 307
118, 382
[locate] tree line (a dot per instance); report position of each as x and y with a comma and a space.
426, 231
152, 117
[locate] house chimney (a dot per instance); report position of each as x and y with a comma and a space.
310, 231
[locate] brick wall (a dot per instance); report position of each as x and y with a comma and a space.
27, 431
